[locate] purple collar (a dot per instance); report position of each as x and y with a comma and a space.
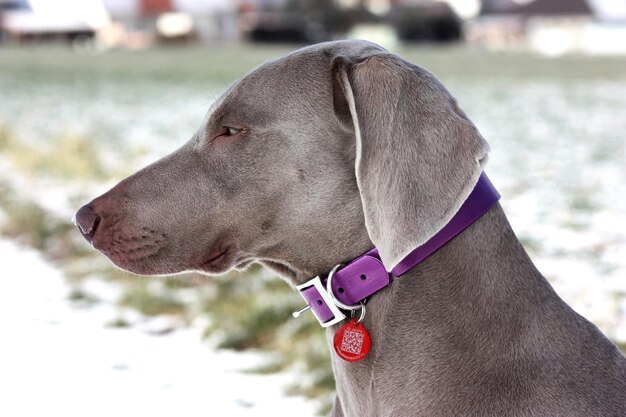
365, 275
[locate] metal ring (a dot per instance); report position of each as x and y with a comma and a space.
362, 312
329, 290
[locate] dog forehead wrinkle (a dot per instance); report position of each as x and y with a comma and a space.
246, 110
228, 103
268, 79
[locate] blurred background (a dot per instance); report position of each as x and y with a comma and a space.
92, 90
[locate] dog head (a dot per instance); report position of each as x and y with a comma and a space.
307, 161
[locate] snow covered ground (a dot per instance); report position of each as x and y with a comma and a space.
60, 360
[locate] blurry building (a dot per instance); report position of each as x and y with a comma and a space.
140, 22
552, 27
317, 20
41, 20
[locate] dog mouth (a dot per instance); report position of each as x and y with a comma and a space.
216, 261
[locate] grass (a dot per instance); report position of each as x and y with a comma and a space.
28, 222
149, 303
217, 64
65, 156
479, 64
222, 64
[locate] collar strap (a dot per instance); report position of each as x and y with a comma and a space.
365, 275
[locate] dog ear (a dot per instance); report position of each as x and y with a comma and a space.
417, 154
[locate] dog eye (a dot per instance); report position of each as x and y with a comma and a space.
226, 133
231, 131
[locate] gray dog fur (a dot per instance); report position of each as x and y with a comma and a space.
345, 146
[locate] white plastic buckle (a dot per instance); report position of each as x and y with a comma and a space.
317, 283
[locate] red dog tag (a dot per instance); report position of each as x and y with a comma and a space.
352, 341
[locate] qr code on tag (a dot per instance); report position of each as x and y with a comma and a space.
352, 341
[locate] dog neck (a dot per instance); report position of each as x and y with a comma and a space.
461, 307
348, 286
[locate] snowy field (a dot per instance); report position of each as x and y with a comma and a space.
72, 125
62, 360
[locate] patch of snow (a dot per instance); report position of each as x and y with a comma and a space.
58, 360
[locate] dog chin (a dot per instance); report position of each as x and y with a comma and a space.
146, 268
214, 268
218, 265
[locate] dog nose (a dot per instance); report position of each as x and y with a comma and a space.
87, 221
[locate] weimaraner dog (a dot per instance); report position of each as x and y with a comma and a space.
314, 158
